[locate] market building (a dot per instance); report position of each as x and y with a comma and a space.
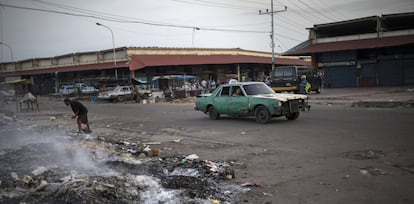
121, 65
371, 51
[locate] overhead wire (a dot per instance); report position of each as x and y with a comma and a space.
333, 12
318, 12
96, 13
111, 19
122, 19
305, 11
213, 4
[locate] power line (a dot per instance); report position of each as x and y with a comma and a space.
318, 12
131, 21
306, 11
213, 4
335, 13
95, 13
122, 17
254, 2
301, 14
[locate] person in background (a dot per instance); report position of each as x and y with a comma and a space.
135, 94
213, 84
81, 113
304, 85
268, 80
204, 87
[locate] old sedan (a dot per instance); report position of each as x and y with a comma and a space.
250, 99
119, 93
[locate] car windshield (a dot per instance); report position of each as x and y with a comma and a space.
281, 72
255, 89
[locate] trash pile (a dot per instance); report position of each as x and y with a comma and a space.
364, 154
45, 165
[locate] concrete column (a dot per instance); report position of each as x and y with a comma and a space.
238, 72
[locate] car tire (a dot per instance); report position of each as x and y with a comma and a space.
214, 115
120, 98
262, 114
292, 116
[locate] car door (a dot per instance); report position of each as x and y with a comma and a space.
238, 104
221, 101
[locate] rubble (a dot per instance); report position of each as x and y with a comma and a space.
39, 171
373, 171
71, 169
364, 154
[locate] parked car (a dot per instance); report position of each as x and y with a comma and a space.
288, 78
254, 99
119, 93
84, 88
67, 89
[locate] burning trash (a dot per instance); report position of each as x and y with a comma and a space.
47, 165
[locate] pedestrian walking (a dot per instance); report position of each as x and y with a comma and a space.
81, 113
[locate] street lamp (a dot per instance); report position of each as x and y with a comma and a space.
194, 29
11, 51
113, 47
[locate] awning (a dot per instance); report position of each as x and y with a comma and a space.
20, 81
353, 45
185, 77
139, 80
141, 61
98, 66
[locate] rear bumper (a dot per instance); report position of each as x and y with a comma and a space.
287, 88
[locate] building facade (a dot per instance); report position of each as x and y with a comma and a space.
99, 68
371, 51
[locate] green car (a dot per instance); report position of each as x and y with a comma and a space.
250, 99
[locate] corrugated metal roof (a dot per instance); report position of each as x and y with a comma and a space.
142, 61
353, 45
109, 65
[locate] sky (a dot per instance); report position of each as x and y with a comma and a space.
48, 28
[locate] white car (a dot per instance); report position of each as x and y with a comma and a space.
85, 88
67, 89
119, 93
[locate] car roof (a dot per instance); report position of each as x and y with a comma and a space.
242, 83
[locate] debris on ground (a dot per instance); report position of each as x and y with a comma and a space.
39, 171
364, 154
248, 184
372, 171
57, 167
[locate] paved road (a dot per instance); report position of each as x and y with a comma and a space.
332, 154
367, 97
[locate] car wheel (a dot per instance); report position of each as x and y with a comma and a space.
214, 115
292, 116
262, 114
120, 98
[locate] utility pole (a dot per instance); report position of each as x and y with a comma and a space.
272, 34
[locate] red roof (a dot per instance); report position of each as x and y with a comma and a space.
109, 65
142, 61
354, 44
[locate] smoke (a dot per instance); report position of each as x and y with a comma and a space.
34, 146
